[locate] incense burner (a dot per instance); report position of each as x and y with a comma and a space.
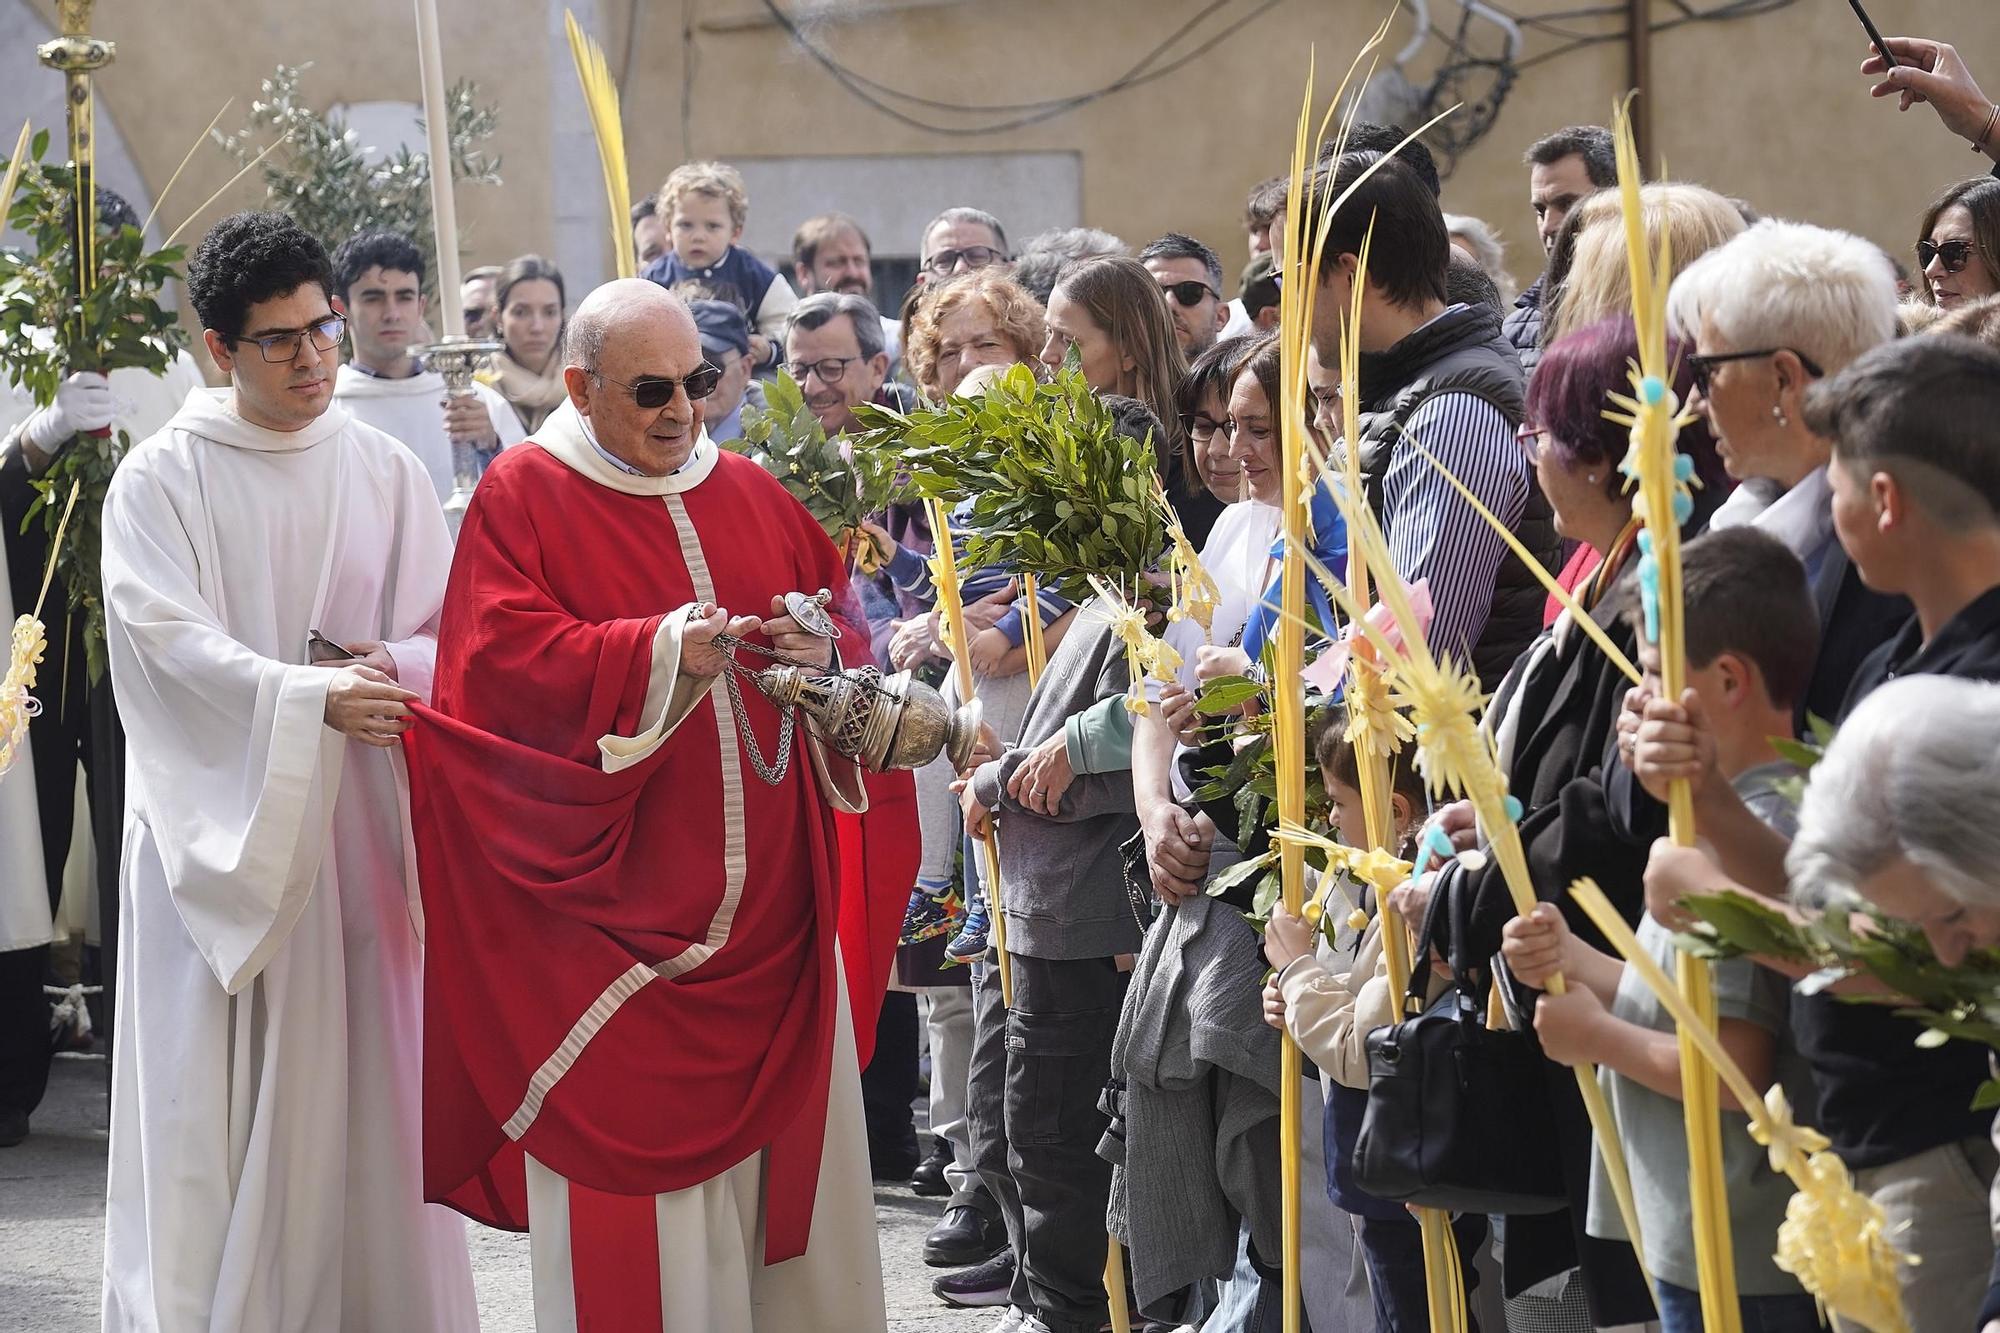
885, 722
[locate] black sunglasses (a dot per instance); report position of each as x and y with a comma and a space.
1190, 293
1955, 254
1704, 366
653, 392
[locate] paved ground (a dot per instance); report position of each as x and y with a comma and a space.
52, 1224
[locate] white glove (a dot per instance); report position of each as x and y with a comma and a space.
83, 403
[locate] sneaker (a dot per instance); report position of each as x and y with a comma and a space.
1010, 1322
990, 1283
931, 912
969, 944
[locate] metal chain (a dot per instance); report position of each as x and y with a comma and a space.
772, 774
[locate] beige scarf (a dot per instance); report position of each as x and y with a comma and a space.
533, 393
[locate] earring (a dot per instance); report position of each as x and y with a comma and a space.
1778, 414
1591, 478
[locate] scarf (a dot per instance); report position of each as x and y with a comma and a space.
532, 393
1329, 547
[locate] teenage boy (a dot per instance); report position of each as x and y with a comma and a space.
1916, 505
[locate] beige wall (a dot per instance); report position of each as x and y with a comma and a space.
1769, 108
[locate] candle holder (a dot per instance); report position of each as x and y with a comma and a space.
457, 360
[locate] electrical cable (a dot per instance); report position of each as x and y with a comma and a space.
873, 93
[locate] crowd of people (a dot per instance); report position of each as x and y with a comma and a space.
580, 823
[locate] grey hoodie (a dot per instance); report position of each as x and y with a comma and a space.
1061, 884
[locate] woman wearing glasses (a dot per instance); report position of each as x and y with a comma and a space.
528, 373
1960, 249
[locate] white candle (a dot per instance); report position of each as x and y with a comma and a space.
437, 127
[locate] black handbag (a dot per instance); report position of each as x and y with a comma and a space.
1459, 1115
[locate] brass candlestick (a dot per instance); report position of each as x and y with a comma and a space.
76, 55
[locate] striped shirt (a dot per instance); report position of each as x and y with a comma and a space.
1434, 532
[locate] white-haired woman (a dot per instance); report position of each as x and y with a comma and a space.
1899, 813
1770, 313
1896, 812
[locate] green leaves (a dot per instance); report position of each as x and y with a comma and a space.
336, 187
1055, 488
49, 332
839, 482
1961, 1002
1226, 694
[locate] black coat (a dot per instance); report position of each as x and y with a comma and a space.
1567, 703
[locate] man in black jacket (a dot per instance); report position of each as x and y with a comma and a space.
1564, 169
1440, 377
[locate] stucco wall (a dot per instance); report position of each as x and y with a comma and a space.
1769, 108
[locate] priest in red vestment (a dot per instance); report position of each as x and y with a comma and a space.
638, 1041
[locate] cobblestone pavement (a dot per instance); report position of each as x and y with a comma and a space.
52, 1231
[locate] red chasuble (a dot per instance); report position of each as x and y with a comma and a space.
629, 973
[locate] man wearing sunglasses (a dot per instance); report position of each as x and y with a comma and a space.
630, 835
1190, 276
272, 956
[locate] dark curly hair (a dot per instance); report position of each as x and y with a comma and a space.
389, 251
252, 257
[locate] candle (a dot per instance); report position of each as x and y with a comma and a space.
437, 130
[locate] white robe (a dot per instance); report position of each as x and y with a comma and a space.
410, 410
145, 402
265, 1143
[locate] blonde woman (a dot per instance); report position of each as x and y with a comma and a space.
1598, 282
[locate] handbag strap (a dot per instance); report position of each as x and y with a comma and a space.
1420, 966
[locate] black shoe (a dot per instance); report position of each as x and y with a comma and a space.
964, 1235
13, 1127
988, 1284
928, 1179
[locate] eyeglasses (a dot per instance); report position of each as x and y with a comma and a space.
830, 371
279, 348
946, 262
1530, 439
1704, 366
1955, 254
1190, 293
652, 392
475, 314
1201, 428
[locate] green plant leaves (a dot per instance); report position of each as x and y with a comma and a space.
49, 332
1055, 488
838, 483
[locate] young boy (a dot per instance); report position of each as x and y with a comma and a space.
1751, 637
1330, 1010
705, 206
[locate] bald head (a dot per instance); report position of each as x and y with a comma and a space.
624, 308
626, 337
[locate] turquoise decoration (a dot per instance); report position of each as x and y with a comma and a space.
1649, 587
1653, 390
1436, 843
1683, 507
1683, 468
1514, 808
